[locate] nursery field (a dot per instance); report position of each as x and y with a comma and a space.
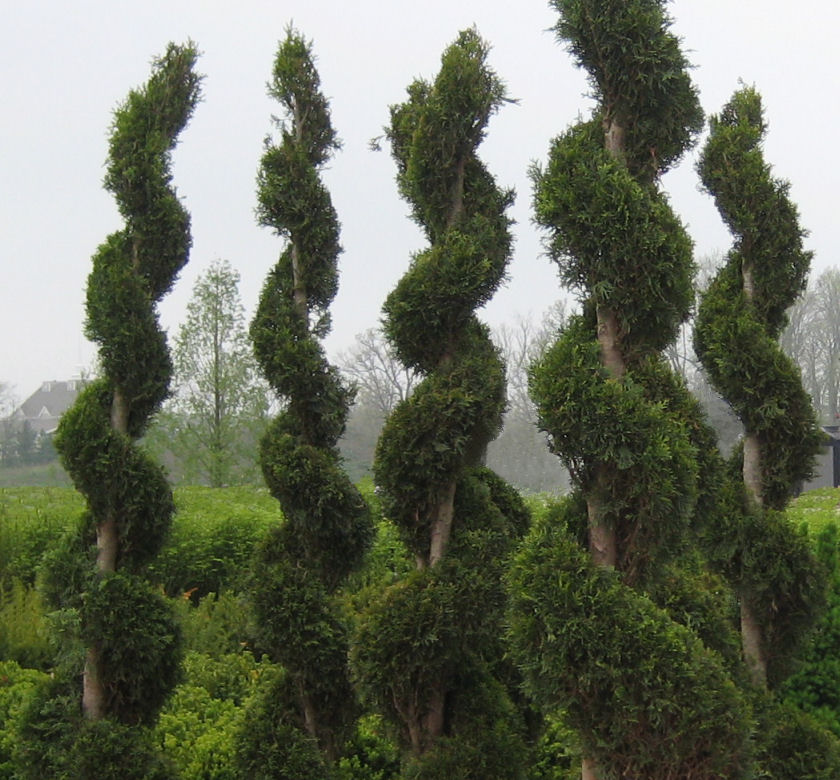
204, 569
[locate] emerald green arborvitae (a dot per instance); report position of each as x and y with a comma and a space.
131, 639
739, 321
427, 652
589, 625
327, 526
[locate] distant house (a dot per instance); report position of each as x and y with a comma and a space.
45, 406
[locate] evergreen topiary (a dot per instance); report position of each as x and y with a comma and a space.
428, 648
643, 693
131, 639
327, 526
739, 320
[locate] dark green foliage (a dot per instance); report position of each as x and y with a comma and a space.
272, 743
95, 578
792, 745
639, 74
644, 694
427, 650
615, 237
138, 642
622, 651
815, 684
738, 323
55, 741
743, 312
327, 527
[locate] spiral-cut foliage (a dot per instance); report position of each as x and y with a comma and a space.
327, 524
423, 649
632, 438
738, 323
129, 633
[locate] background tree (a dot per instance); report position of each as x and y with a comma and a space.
739, 322
812, 339
212, 424
131, 660
594, 622
381, 382
519, 454
427, 651
327, 526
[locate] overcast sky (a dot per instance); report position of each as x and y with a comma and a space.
65, 66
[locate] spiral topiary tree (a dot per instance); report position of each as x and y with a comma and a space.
739, 321
327, 526
646, 696
130, 637
427, 652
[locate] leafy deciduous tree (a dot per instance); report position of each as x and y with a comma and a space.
220, 404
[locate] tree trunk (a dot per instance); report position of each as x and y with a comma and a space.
751, 643
589, 770
752, 467
442, 524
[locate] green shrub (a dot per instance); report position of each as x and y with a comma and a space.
212, 539
55, 741
216, 625
31, 519
23, 634
16, 685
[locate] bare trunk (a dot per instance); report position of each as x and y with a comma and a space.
588, 770
609, 340
442, 524
602, 543
433, 720
93, 693
752, 645
613, 136
752, 467
300, 298
458, 194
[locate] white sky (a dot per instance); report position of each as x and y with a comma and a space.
65, 66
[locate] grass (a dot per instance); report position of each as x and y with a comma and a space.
816, 509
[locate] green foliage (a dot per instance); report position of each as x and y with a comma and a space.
16, 685
24, 631
272, 743
639, 75
426, 648
212, 540
645, 696
814, 687
30, 520
328, 526
137, 641
370, 754
738, 323
132, 640
55, 741
615, 237
210, 427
